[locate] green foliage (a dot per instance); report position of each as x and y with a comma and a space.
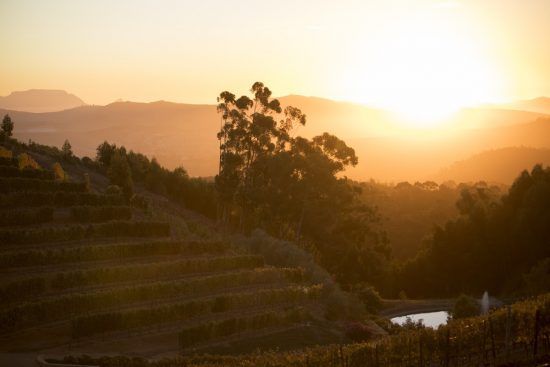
79, 232
465, 306
86, 214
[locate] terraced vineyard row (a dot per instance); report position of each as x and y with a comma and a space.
38, 257
79, 263
514, 336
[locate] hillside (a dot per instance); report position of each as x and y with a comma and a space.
98, 273
516, 336
40, 100
498, 165
184, 134
422, 158
539, 105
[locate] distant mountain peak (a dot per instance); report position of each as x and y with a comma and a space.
40, 100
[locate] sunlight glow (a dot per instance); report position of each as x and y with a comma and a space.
427, 67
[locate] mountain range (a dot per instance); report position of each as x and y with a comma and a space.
180, 134
40, 100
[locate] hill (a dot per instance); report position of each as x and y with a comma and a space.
86, 269
539, 105
185, 134
422, 158
40, 100
498, 165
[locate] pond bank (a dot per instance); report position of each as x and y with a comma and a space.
398, 307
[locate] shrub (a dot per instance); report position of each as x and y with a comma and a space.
370, 298
60, 174
465, 306
26, 161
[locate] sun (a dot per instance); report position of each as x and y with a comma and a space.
423, 68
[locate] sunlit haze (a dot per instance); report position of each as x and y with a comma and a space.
420, 59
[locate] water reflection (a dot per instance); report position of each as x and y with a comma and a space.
429, 319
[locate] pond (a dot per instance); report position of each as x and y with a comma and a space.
429, 319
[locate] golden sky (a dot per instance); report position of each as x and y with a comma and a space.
395, 54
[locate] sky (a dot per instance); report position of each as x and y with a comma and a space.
406, 55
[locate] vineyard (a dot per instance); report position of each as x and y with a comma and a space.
518, 335
83, 268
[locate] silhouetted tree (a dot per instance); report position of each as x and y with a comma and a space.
7, 127
66, 149
120, 174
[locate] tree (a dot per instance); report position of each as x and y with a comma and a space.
104, 153
119, 173
290, 187
252, 130
7, 127
66, 149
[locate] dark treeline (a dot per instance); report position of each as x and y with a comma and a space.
501, 245
124, 168
409, 211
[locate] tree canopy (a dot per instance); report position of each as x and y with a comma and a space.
292, 186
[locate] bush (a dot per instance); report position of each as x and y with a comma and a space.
370, 298
465, 306
26, 161
59, 172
